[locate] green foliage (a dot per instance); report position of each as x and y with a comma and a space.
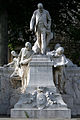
65, 16
75, 33
10, 46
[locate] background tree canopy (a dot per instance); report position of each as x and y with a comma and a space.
65, 16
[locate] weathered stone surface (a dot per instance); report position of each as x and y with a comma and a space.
37, 119
46, 113
4, 90
41, 98
9, 96
7, 92
72, 89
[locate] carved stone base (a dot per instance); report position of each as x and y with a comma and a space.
41, 98
45, 113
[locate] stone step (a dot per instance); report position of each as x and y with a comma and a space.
45, 113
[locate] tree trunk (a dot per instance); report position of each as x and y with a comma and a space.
3, 38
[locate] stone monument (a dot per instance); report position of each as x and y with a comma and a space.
41, 99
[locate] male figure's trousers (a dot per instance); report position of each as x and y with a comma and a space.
41, 38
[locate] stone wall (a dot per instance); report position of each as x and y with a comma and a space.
9, 95
4, 90
72, 89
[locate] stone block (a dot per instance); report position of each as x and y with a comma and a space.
68, 100
40, 114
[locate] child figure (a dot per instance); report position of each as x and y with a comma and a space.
14, 64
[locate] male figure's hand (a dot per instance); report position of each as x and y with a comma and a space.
21, 63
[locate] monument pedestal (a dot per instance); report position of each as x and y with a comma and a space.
41, 98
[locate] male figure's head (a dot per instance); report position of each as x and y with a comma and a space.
14, 54
60, 51
40, 7
28, 46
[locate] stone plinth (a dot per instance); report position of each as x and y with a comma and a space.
40, 73
41, 98
45, 113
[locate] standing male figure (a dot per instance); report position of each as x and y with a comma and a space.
41, 21
24, 58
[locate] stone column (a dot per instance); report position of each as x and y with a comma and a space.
3, 38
